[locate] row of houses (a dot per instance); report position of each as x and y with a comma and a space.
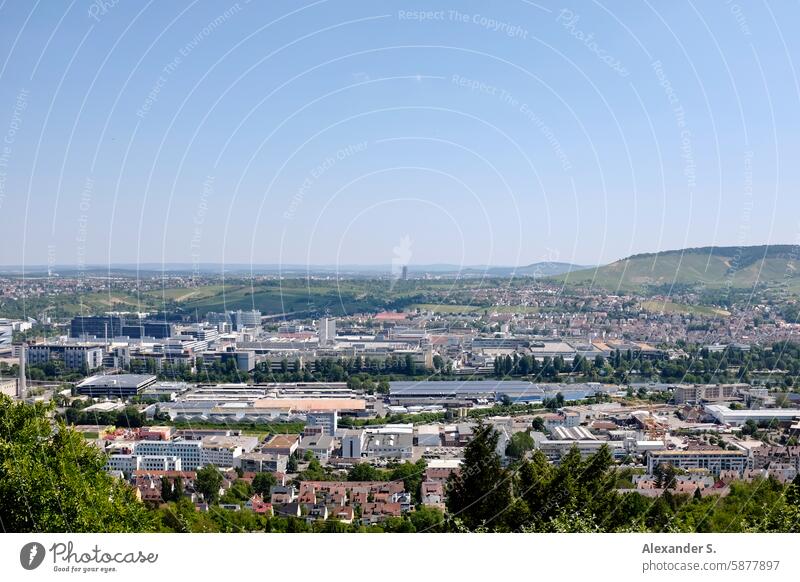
369, 502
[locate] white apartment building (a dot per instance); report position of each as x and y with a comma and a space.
190, 453
130, 463
125, 463
224, 451
714, 460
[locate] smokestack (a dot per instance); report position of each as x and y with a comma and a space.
22, 383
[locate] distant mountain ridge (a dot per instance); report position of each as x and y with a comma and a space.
712, 266
541, 269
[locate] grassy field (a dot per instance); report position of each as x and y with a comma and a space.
194, 293
301, 296
76, 304
669, 307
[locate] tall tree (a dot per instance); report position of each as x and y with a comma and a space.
262, 483
208, 482
481, 491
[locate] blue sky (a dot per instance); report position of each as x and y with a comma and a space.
329, 132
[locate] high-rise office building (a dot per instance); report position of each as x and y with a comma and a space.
327, 331
101, 326
245, 319
111, 326
147, 328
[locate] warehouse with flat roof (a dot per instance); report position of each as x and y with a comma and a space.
725, 415
116, 385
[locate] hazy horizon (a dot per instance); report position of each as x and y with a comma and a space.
206, 266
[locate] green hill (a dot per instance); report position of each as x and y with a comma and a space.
712, 267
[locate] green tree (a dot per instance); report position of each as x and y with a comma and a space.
480, 491
208, 482
364, 472
427, 520
166, 489
383, 386
520, 443
665, 475
411, 475
52, 480
262, 483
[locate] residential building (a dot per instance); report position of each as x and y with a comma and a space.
262, 462
74, 357
714, 460
441, 469
432, 494
130, 463
282, 494
190, 453
766, 456
697, 393
282, 444
257, 504
224, 451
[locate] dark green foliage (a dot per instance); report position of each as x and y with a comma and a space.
171, 489
262, 483
520, 443
51, 480
364, 472
481, 491
208, 482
